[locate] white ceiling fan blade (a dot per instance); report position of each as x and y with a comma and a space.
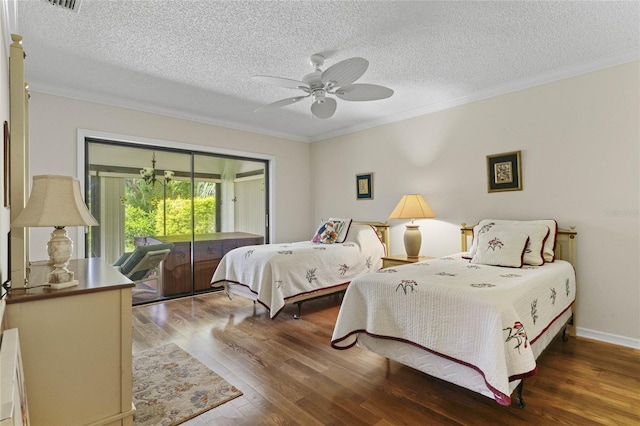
324, 109
282, 102
345, 72
280, 82
363, 92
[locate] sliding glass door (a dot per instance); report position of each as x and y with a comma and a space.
168, 216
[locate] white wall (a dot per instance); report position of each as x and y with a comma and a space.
55, 120
4, 116
580, 141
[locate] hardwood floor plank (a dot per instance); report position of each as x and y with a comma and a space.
290, 375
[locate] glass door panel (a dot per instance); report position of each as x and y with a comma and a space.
216, 183
172, 221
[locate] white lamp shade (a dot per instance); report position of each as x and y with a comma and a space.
55, 201
412, 206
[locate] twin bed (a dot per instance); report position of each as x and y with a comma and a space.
477, 325
478, 319
276, 275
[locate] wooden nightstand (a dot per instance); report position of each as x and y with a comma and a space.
401, 259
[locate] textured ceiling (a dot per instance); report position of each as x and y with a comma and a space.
194, 59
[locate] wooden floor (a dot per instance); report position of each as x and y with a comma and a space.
290, 375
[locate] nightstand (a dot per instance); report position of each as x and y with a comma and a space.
401, 259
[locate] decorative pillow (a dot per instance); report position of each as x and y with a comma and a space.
501, 247
538, 234
342, 236
328, 232
549, 244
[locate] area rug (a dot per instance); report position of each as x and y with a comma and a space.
170, 387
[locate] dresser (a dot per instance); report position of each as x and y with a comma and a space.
208, 250
76, 345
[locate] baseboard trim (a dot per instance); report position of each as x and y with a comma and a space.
608, 338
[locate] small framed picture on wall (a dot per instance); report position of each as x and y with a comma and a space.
364, 186
504, 172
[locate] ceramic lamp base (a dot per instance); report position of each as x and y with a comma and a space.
58, 286
412, 240
60, 248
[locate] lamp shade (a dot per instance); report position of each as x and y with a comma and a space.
55, 201
412, 206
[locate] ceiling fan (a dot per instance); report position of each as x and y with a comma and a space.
336, 80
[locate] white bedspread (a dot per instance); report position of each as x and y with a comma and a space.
277, 272
482, 316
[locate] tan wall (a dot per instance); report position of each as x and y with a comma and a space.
580, 141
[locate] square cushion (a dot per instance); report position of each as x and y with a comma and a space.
538, 234
342, 236
501, 247
548, 251
328, 232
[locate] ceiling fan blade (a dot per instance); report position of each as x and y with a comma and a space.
363, 92
325, 109
345, 72
280, 82
282, 102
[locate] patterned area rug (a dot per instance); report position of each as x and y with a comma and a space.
171, 387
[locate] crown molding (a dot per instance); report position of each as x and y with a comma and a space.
561, 74
87, 96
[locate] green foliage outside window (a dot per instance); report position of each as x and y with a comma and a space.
144, 209
179, 216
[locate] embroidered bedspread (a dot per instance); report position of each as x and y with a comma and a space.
482, 316
276, 272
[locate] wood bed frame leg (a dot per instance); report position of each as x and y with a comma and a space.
564, 333
299, 314
519, 399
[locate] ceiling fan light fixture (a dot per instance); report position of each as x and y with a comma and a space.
319, 96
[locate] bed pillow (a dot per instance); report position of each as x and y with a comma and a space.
538, 235
501, 247
328, 232
548, 252
346, 224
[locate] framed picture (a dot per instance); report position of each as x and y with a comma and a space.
364, 186
504, 172
7, 164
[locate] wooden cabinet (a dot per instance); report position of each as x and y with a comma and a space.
401, 259
76, 346
208, 250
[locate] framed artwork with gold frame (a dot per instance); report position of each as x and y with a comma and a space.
364, 186
504, 172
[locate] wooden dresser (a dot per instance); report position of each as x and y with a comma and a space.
76, 346
208, 251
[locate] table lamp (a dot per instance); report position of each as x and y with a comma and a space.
56, 201
412, 207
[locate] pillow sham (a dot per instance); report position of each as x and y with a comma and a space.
346, 224
501, 247
548, 251
328, 232
538, 234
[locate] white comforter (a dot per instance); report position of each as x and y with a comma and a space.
277, 272
484, 317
